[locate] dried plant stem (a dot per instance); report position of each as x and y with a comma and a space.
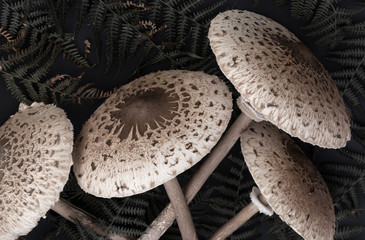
237, 221
72, 213
181, 209
167, 216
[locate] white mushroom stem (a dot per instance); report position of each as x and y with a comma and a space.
73, 213
258, 204
181, 209
167, 216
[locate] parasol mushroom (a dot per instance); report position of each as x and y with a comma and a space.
35, 153
148, 132
278, 77
289, 183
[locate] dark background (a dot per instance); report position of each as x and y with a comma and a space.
79, 114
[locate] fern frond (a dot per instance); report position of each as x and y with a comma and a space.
356, 29
348, 232
8, 36
303, 9
356, 41
82, 9
344, 169
342, 215
205, 15
349, 53
97, 14
69, 50
113, 24
357, 157
245, 233
55, 18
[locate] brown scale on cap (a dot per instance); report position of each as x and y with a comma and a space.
35, 153
289, 181
149, 131
279, 76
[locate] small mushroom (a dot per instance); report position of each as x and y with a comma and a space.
280, 78
149, 131
289, 182
35, 161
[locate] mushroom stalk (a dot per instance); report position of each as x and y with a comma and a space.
72, 213
181, 209
167, 216
237, 221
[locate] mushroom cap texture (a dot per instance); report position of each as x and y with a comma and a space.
280, 77
35, 153
289, 181
149, 131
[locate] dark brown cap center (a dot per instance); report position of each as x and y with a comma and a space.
300, 54
150, 108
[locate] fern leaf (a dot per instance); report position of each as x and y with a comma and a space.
303, 9
346, 213
356, 29
205, 15
112, 29
356, 41
82, 8
348, 232
97, 15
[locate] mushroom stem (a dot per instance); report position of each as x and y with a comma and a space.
237, 221
181, 209
167, 216
72, 213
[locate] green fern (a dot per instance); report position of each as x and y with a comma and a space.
26, 74
35, 41
303, 9
132, 28
280, 230
348, 232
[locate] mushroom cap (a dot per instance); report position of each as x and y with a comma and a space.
289, 181
280, 77
149, 131
35, 153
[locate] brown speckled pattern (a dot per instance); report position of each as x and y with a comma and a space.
35, 161
289, 181
149, 131
280, 77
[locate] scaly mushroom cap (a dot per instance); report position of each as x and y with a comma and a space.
35, 161
149, 131
279, 76
289, 181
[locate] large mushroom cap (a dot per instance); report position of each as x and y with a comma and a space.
279, 77
289, 181
35, 161
149, 131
